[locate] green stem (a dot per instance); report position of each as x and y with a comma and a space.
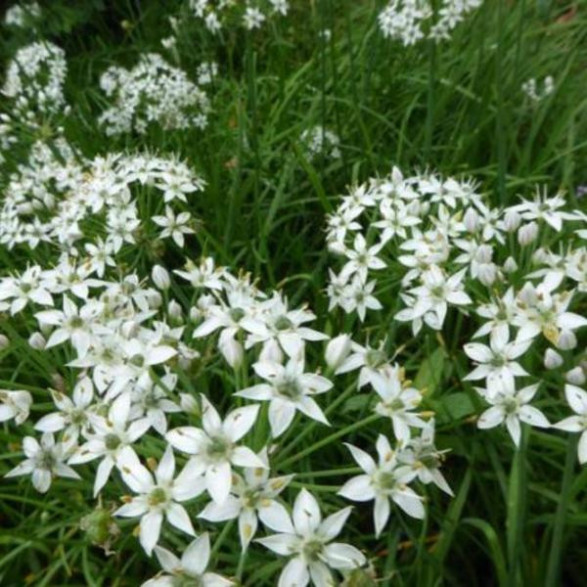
553, 569
325, 441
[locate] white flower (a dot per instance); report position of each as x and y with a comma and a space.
289, 389
253, 497
15, 404
383, 482
72, 414
44, 461
309, 539
191, 569
424, 458
432, 298
362, 258
511, 407
160, 497
497, 361
397, 402
72, 323
174, 226
253, 18
213, 448
111, 438
577, 399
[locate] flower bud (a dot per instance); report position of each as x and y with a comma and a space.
552, 360
471, 220
510, 265
189, 404
512, 220
174, 312
37, 341
154, 299
337, 350
527, 233
576, 376
160, 277
4, 342
100, 527
487, 273
567, 340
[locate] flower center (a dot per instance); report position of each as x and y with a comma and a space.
312, 549
157, 497
237, 314
386, 480
290, 389
283, 323
219, 449
112, 441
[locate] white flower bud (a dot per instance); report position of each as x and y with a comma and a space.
471, 220
160, 277
487, 273
552, 360
337, 350
512, 220
483, 254
527, 233
576, 376
174, 311
4, 342
232, 351
510, 265
189, 404
540, 256
154, 299
37, 341
567, 340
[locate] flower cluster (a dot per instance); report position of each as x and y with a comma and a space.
21, 15
34, 81
512, 270
319, 141
56, 195
410, 21
252, 14
152, 92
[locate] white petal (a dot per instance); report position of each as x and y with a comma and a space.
533, 416
363, 459
294, 574
381, 513
166, 467
275, 516
247, 526
490, 418
219, 481
228, 510
577, 399
168, 561
283, 544
281, 415
343, 556
239, 422
306, 513
196, 556
331, 527
210, 419
358, 489
178, 517
150, 529
513, 425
